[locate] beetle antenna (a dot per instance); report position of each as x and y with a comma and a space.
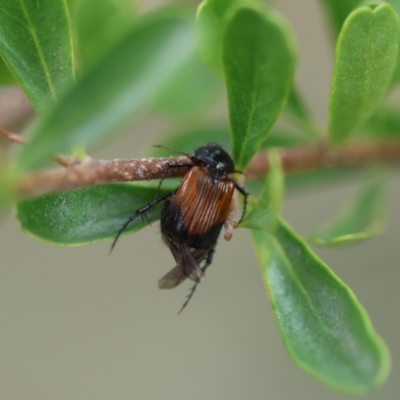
159, 146
168, 166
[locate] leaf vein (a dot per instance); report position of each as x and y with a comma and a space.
39, 49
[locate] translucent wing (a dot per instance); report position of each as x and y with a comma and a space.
188, 265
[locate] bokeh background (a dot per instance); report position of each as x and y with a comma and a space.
76, 323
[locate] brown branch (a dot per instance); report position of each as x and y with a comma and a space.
300, 159
354, 154
15, 112
12, 136
99, 172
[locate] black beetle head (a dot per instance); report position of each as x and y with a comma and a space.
218, 162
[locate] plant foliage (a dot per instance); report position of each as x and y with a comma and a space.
153, 63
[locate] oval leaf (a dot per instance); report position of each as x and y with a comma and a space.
86, 215
119, 87
265, 213
362, 219
366, 56
211, 20
337, 11
35, 43
325, 329
258, 60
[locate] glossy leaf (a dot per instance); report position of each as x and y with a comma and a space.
98, 26
365, 60
35, 43
118, 88
86, 215
325, 329
362, 219
259, 62
211, 20
337, 11
265, 212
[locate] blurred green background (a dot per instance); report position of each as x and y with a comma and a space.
76, 323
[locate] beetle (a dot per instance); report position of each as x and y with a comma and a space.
193, 215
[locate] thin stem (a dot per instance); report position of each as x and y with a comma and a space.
12, 136
357, 153
298, 159
98, 172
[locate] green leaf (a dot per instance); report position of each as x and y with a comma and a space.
259, 65
337, 11
118, 88
190, 92
265, 213
98, 26
396, 6
396, 75
86, 215
211, 20
366, 56
384, 124
6, 77
362, 219
325, 329
35, 43
297, 111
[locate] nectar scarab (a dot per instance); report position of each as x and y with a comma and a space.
193, 215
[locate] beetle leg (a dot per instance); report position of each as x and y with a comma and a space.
209, 259
245, 195
140, 212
